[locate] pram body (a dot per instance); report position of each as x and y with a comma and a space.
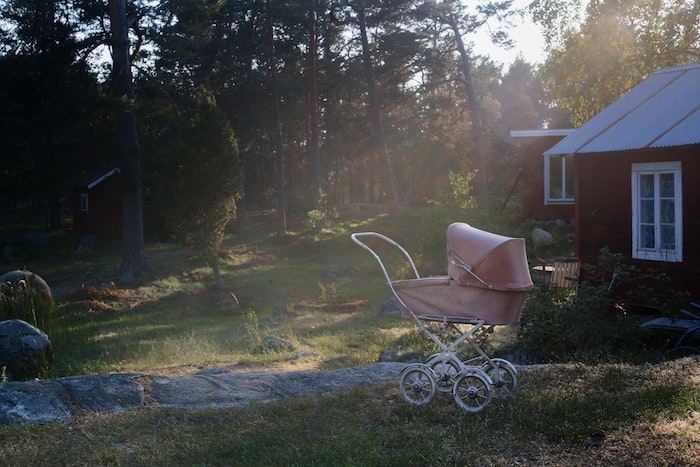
487, 280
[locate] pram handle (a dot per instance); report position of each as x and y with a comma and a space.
356, 238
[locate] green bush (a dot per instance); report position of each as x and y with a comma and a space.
595, 324
558, 326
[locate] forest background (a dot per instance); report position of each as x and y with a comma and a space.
299, 106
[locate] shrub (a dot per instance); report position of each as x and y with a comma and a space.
558, 326
594, 325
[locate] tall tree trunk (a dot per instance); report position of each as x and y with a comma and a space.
313, 110
279, 142
54, 210
246, 154
474, 110
380, 150
133, 257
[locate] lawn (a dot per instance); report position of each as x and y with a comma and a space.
172, 322
639, 415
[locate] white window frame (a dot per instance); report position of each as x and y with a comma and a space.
658, 253
548, 198
84, 202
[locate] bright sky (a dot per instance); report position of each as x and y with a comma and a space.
527, 37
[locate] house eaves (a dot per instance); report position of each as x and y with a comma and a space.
541, 133
661, 111
94, 178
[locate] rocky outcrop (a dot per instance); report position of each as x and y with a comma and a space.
61, 399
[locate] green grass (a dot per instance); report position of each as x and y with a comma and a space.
561, 415
171, 322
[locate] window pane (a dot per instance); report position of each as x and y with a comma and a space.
646, 186
646, 211
555, 181
666, 184
668, 237
569, 171
668, 211
646, 236
656, 198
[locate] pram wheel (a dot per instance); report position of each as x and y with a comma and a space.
417, 384
472, 390
503, 377
446, 370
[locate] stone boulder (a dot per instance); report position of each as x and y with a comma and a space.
541, 238
391, 307
276, 344
25, 351
23, 278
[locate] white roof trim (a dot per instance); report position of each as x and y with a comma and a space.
541, 133
101, 178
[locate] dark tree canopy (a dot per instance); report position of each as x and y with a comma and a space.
391, 116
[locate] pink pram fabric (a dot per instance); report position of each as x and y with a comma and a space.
487, 278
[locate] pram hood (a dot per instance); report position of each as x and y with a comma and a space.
477, 258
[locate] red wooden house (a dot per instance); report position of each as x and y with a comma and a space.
637, 176
97, 205
547, 183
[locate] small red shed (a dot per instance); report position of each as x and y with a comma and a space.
97, 204
637, 176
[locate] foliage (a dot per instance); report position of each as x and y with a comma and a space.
618, 44
596, 324
462, 190
200, 180
560, 327
317, 219
331, 293
53, 115
221, 46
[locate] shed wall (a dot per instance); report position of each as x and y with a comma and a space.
104, 216
604, 208
533, 181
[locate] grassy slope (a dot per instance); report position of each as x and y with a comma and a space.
170, 323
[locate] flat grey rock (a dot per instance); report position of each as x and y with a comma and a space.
239, 389
34, 402
60, 399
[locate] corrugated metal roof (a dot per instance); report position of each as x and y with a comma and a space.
663, 110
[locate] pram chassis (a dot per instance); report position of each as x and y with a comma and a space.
473, 382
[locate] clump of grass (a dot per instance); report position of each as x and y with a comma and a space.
252, 327
19, 300
331, 293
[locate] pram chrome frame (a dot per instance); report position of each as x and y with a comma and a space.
471, 386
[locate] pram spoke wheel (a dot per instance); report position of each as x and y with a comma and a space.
417, 384
472, 390
446, 371
503, 377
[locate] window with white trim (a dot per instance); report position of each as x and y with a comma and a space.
84, 202
657, 216
559, 179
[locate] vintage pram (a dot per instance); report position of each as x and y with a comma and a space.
487, 280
